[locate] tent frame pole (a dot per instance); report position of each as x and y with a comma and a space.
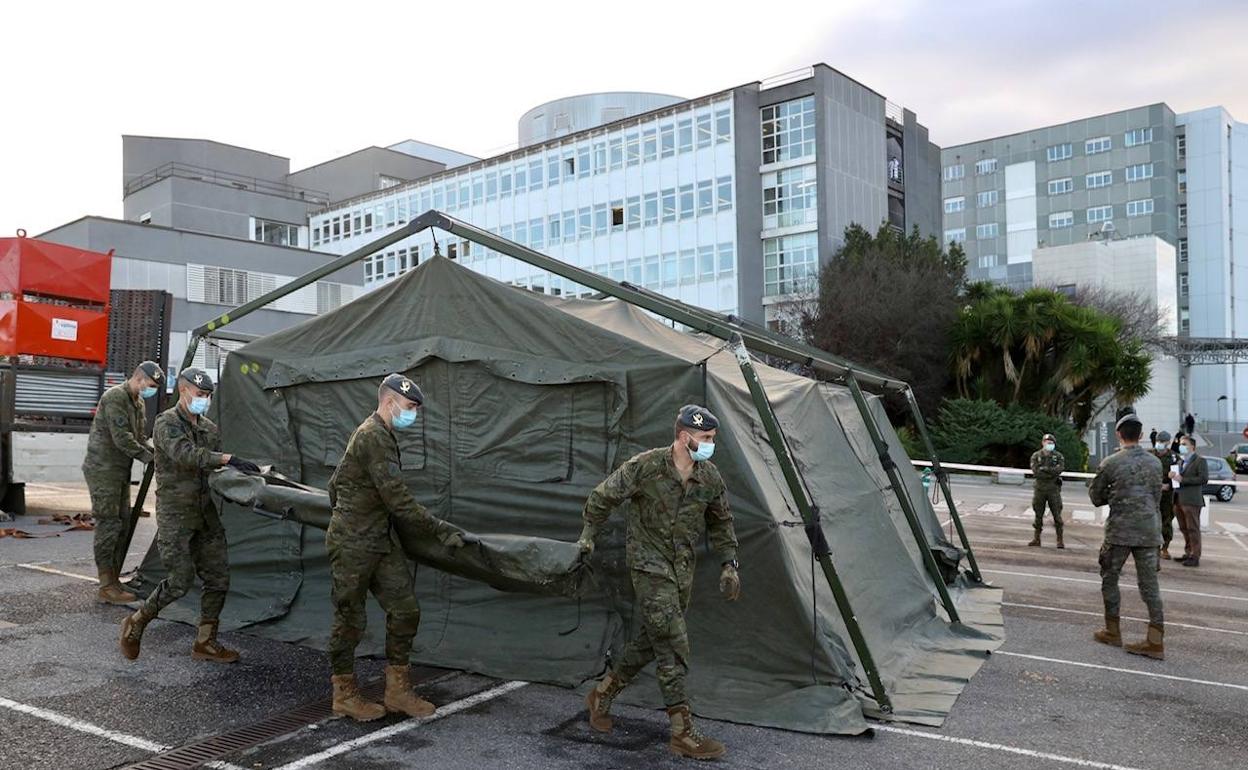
942, 476
810, 517
903, 496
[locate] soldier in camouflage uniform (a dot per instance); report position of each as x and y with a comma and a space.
1047, 465
117, 439
1129, 482
1162, 451
675, 493
369, 495
189, 533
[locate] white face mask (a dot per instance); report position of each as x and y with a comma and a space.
1049, 447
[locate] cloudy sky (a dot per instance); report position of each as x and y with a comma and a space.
314, 80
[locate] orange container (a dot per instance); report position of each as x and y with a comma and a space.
56, 331
32, 266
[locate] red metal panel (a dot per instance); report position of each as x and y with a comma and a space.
29, 265
55, 331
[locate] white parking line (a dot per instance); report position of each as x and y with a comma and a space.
1001, 747
1238, 542
133, 741
1155, 675
1169, 623
1097, 582
402, 727
52, 571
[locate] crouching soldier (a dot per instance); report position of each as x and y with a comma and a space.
676, 492
369, 498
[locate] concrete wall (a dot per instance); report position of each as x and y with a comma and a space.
748, 201
921, 178
360, 172
205, 207
49, 457
141, 154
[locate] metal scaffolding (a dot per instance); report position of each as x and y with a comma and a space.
1197, 351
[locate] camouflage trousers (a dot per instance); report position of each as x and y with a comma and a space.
1052, 497
354, 574
110, 505
185, 554
1167, 519
662, 637
1112, 558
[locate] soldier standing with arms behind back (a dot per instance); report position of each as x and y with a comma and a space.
1047, 465
1129, 482
189, 533
675, 492
369, 496
116, 440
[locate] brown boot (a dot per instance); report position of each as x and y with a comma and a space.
132, 627
1060, 543
207, 647
349, 703
599, 702
1165, 553
1035, 541
401, 698
1111, 634
111, 590
1151, 647
687, 741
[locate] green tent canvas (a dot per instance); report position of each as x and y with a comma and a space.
530, 402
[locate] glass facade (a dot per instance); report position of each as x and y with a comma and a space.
790, 264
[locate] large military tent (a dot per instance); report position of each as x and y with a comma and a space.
531, 401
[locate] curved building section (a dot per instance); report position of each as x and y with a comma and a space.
578, 113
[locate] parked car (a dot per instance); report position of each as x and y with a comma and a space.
1220, 471
1239, 455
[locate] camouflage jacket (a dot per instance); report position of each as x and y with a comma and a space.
1129, 482
367, 489
1047, 467
117, 436
186, 452
1168, 461
666, 518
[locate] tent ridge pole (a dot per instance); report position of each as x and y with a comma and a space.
810, 518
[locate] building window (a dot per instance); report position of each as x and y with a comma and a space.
684, 135
583, 165
705, 130
789, 130
1182, 250
1140, 208
1182, 215
686, 201
1061, 219
723, 126
986, 231
1060, 152
277, 233
633, 212
987, 260
616, 153
617, 215
1182, 181
669, 204
956, 235
1138, 136
1183, 284
602, 219
985, 166
651, 209
667, 140
790, 263
1099, 144
1099, 179
385, 182
1061, 186
954, 172
706, 197
986, 199
727, 260
1100, 214
1185, 321
723, 193
1180, 143
789, 197
954, 205
632, 150
650, 145
1139, 172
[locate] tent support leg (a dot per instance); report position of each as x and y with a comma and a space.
810, 517
943, 478
903, 496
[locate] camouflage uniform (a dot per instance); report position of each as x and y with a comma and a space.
1047, 467
1129, 482
117, 439
189, 534
1168, 461
665, 521
366, 491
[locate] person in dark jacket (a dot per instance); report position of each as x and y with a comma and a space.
1192, 474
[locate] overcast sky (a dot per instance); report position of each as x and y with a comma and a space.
312, 80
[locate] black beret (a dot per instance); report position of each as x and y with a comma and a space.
697, 417
153, 370
404, 387
197, 377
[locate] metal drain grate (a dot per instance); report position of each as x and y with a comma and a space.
222, 745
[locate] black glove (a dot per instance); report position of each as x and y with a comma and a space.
246, 466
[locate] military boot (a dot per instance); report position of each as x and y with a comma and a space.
132, 627
207, 647
401, 698
1165, 552
348, 701
111, 590
599, 702
687, 741
1060, 543
1151, 647
1035, 541
1111, 634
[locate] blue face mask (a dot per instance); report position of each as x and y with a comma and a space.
147, 392
1160, 446
1183, 450
199, 405
1049, 447
703, 452
404, 419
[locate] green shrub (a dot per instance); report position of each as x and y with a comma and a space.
981, 432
